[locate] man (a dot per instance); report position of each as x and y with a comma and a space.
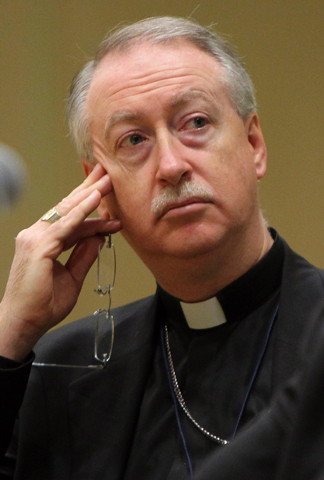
168, 111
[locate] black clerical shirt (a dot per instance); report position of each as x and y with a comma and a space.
224, 374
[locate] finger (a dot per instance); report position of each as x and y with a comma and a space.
49, 238
82, 258
100, 181
97, 172
96, 180
93, 177
103, 185
91, 227
68, 224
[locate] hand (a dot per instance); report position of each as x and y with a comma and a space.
41, 291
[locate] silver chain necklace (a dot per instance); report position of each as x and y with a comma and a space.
180, 398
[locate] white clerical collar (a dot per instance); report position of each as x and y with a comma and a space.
205, 314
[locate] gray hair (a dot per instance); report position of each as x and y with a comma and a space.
156, 30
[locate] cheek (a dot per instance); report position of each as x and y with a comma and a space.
236, 162
123, 184
132, 189
232, 176
129, 202
108, 207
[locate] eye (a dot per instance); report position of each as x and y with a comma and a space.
135, 139
131, 140
199, 122
195, 123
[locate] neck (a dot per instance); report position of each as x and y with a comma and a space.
201, 277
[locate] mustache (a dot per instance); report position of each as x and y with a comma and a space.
184, 191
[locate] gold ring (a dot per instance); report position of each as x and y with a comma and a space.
51, 216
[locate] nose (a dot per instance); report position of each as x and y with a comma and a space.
173, 166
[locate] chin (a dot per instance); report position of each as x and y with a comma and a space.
191, 240
189, 247
189, 250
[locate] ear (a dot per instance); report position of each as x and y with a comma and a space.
87, 167
102, 208
256, 140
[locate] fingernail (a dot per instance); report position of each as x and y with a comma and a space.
104, 179
94, 194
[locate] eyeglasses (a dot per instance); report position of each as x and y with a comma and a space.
104, 320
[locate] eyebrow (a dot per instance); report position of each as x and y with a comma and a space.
119, 117
185, 97
177, 101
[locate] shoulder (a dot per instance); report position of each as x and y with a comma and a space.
133, 325
301, 271
301, 312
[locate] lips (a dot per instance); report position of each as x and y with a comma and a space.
182, 203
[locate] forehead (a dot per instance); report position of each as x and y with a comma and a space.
146, 72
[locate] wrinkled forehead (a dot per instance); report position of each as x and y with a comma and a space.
152, 66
